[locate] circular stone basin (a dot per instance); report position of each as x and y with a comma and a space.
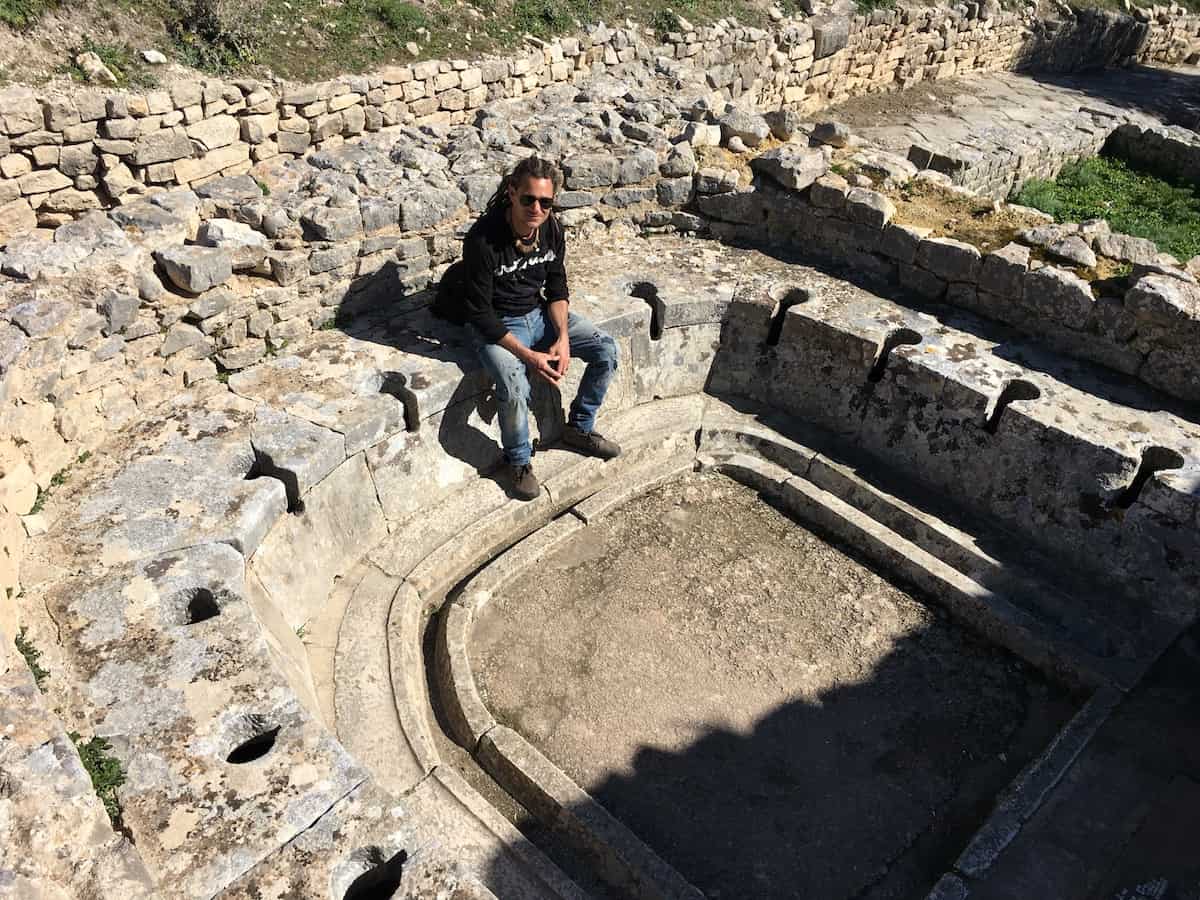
772, 717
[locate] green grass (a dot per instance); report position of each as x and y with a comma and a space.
31, 654
23, 13
1132, 200
309, 39
105, 771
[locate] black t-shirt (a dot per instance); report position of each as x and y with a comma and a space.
502, 281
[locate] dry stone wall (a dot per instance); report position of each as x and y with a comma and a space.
61, 156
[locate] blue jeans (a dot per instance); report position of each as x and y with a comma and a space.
590, 345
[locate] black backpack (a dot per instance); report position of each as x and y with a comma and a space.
448, 303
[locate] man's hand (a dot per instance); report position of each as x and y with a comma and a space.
562, 350
545, 365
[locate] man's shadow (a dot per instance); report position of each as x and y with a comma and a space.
449, 393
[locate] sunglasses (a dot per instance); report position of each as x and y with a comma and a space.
543, 202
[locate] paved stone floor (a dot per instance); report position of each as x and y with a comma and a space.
1008, 120
772, 717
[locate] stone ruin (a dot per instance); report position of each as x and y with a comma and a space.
246, 509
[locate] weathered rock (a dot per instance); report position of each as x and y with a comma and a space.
1126, 248
637, 167
829, 192
784, 123
869, 207
196, 269
590, 170
94, 69
830, 34
680, 161
161, 146
247, 247
333, 223
835, 134
1003, 271
949, 259
791, 166
750, 127
1060, 296
1170, 301
1072, 249
423, 207
40, 316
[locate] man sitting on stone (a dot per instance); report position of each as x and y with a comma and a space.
514, 298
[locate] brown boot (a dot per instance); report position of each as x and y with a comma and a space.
590, 442
523, 485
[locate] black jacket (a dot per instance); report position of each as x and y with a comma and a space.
498, 280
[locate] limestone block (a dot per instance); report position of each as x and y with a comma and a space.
830, 34
677, 364
15, 165
637, 166
674, 191
196, 269
288, 267
43, 182
1003, 271
18, 487
354, 120
1072, 249
32, 425
16, 217
78, 159
189, 170
716, 181
590, 170
333, 223
1060, 296
791, 166
1126, 248
327, 126
1169, 301
20, 111
340, 521
835, 134
424, 207
161, 146
869, 207
749, 127
244, 354
247, 247
949, 259
69, 201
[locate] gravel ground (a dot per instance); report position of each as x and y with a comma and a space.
772, 717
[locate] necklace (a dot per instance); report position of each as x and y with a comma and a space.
527, 244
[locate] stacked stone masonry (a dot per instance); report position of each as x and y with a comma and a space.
61, 156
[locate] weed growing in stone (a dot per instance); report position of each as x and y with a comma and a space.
57, 480
105, 771
31, 654
1133, 201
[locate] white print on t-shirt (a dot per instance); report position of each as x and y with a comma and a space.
524, 262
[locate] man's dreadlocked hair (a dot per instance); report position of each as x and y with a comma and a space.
530, 167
